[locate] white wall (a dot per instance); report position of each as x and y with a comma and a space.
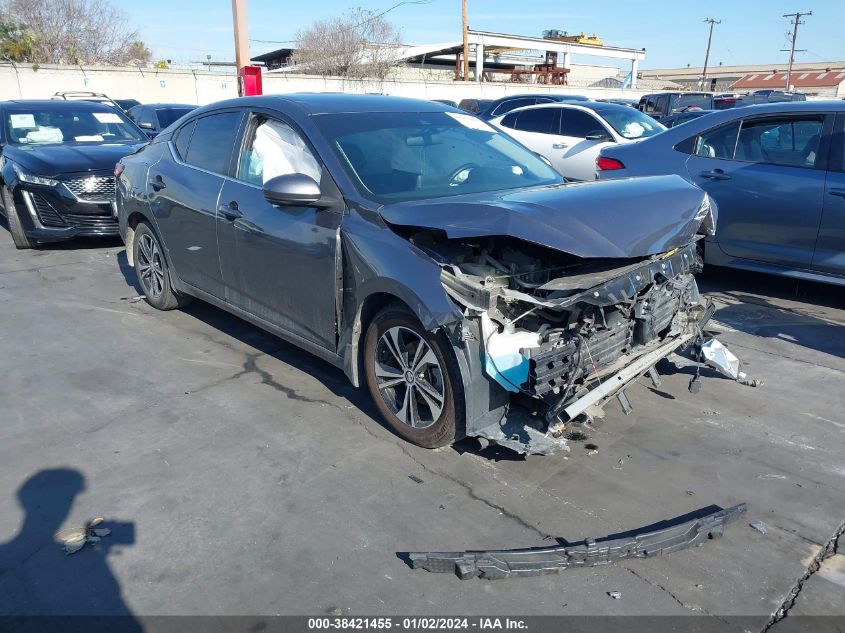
201, 87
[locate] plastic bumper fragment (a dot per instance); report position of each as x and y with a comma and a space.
662, 538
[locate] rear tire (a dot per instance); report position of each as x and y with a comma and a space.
153, 272
413, 378
19, 237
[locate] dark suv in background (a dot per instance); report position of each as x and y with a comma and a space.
57, 163
663, 104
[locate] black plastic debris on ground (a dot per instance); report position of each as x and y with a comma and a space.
693, 529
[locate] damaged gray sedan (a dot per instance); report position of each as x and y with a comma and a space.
428, 255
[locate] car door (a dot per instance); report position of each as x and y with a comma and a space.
573, 153
183, 189
829, 255
535, 128
766, 175
279, 263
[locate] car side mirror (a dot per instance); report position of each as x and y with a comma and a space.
146, 125
292, 190
598, 136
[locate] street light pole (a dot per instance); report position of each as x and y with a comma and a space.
707, 54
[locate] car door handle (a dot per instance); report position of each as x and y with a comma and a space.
559, 146
716, 174
230, 211
157, 183
837, 192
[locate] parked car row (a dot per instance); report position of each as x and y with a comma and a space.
429, 255
664, 105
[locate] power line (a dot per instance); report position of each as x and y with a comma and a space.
795, 24
354, 26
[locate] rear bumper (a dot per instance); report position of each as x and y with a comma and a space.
662, 538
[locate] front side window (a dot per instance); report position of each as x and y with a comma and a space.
717, 143
275, 149
579, 124
397, 156
212, 141
542, 120
79, 124
791, 141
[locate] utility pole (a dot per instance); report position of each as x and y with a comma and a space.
464, 30
707, 54
796, 17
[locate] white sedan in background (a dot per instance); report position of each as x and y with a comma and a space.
572, 135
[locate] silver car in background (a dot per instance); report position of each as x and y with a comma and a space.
571, 135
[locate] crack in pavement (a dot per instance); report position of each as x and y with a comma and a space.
829, 549
694, 609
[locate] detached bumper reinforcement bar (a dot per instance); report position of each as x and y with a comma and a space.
662, 538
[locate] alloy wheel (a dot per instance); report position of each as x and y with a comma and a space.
409, 377
150, 266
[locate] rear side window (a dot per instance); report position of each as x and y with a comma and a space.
792, 141
513, 104
580, 124
542, 120
717, 143
212, 141
182, 138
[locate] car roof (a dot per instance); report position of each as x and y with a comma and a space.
595, 106
159, 106
59, 104
333, 103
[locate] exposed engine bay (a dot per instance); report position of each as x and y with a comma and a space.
555, 326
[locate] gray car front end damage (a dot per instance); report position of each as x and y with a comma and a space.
554, 298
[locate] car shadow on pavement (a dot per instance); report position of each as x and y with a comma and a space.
37, 578
754, 308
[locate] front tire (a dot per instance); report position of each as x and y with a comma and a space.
19, 237
153, 272
413, 378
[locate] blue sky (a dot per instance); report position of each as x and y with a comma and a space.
673, 33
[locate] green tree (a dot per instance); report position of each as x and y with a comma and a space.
17, 43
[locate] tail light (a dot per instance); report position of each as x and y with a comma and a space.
118, 169
605, 163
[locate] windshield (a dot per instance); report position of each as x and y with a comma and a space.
166, 116
631, 124
396, 156
54, 126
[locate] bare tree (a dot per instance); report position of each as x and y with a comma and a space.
360, 44
75, 32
